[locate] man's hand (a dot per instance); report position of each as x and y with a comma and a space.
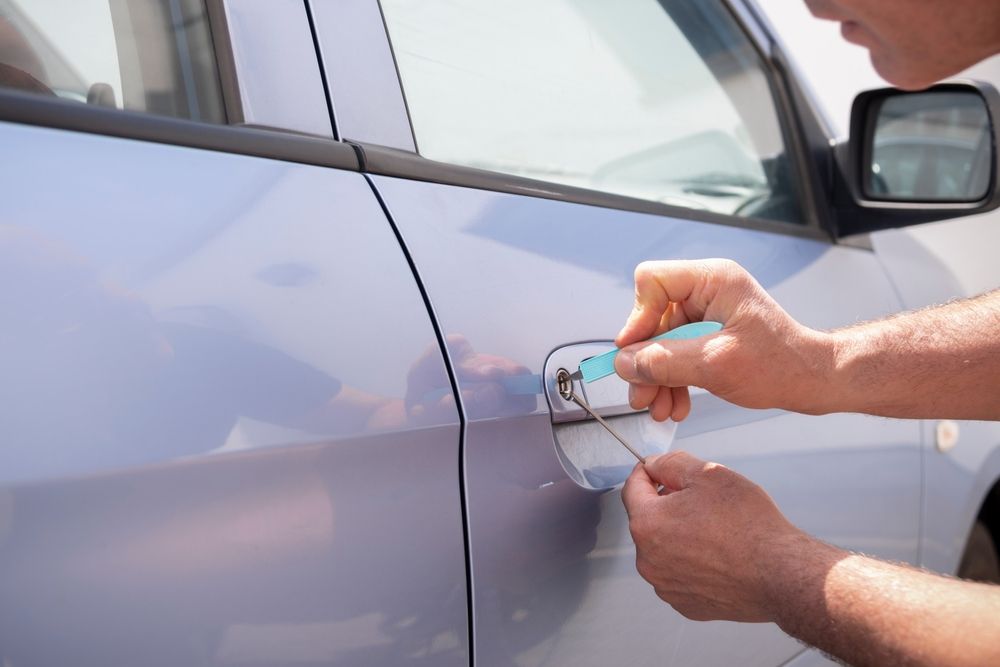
715, 547
762, 358
708, 540
937, 363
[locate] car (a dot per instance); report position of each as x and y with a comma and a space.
287, 286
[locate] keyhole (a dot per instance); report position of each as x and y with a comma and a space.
564, 383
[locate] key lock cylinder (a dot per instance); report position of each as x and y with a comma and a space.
602, 365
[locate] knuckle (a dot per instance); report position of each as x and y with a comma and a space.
644, 569
667, 597
675, 457
638, 527
645, 270
716, 472
692, 612
730, 267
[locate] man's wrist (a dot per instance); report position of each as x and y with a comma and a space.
793, 571
820, 390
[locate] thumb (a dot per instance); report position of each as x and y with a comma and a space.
666, 363
674, 470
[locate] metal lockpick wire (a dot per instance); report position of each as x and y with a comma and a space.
565, 384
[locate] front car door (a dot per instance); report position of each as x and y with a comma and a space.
560, 144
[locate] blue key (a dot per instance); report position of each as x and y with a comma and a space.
603, 365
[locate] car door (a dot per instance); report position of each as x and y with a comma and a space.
560, 144
227, 432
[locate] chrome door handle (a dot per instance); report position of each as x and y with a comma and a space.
608, 396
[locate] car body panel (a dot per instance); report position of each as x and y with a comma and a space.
279, 80
209, 453
552, 562
361, 73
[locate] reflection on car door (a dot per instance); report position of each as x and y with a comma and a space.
214, 445
552, 562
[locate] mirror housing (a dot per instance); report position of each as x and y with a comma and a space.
916, 157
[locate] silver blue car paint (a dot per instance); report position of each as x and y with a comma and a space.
191, 470
553, 570
278, 546
361, 73
277, 72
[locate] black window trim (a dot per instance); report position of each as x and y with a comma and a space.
392, 162
225, 61
772, 61
37, 110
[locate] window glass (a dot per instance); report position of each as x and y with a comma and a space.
144, 55
663, 100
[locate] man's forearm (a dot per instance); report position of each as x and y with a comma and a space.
941, 362
869, 612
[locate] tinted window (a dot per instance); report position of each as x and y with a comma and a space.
145, 55
665, 100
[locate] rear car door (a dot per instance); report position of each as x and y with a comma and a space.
227, 433
554, 146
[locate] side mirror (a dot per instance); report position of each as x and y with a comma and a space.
918, 157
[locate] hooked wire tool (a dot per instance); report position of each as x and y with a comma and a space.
603, 365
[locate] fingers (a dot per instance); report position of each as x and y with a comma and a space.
640, 396
658, 284
458, 346
663, 405
639, 489
671, 403
682, 403
663, 402
674, 470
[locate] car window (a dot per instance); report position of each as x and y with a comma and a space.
663, 100
144, 55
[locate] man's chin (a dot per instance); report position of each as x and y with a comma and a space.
901, 76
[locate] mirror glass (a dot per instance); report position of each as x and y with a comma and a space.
930, 147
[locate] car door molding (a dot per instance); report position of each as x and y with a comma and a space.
407, 165
268, 65
32, 109
361, 74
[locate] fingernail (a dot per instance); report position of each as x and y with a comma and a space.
625, 364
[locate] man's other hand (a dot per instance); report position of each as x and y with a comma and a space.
708, 539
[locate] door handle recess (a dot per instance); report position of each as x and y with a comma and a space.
607, 396
587, 452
